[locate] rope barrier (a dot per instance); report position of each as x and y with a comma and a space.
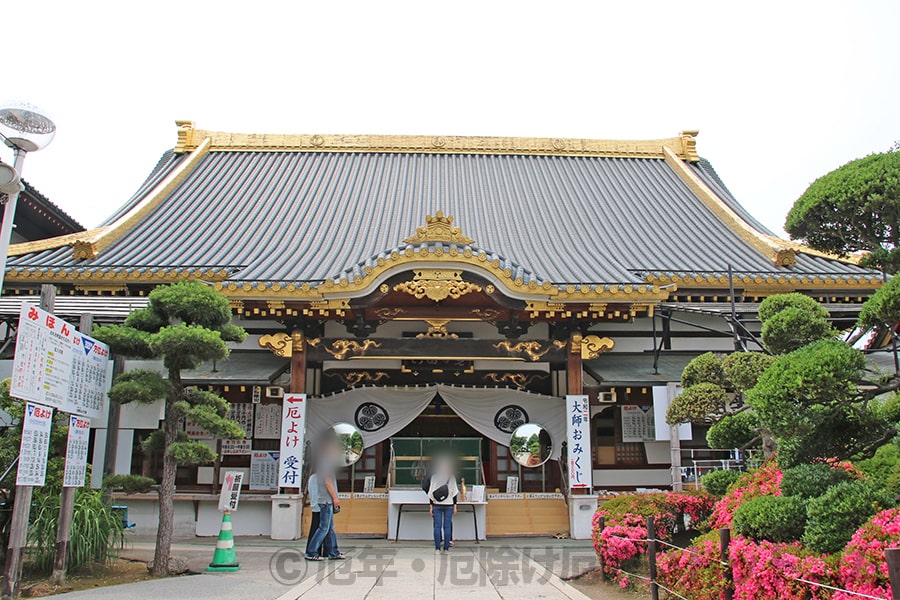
725, 564
836, 589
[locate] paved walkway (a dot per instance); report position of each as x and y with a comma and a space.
376, 569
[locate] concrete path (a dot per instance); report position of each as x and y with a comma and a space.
376, 570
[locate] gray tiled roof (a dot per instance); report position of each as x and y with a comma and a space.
311, 216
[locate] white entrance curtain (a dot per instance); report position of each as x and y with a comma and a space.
479, 407
378, 412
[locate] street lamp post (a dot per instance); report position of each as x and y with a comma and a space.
24, 128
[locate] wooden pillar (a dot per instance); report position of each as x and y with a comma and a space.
574, 372
298, 363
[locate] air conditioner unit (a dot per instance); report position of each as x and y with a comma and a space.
273, 391
606, 397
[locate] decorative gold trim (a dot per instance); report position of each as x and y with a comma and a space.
439, 229
683, 145
779, 252
388, 313
341, 348
437, 328
437, 285
278, 343
100, 288
87, 244
592, 346
781, 283
486, 314
519, 380
532, 349
351, 378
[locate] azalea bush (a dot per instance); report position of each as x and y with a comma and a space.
765, 481
770, 571
772, 518
864, 568
697, 572
621, 543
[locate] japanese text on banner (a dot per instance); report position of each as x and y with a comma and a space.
77, 451
293, 434
578, 428
35, 445
231, 491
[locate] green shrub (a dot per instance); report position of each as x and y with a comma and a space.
706, 368
717, 482
128, 484
811, 480
833, 517
97, 531
734, 431
773, 518
742, 369
882, 467
700, 403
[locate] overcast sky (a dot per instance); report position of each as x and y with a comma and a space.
782, 92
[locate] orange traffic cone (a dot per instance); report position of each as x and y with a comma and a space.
224, 558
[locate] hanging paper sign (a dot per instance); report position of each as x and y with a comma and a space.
89, 379
578, 422
76, 451
43, 360
293, 434
638, 424
231, 491
35, 445
263, 470
236, 447
268, 422
242, 413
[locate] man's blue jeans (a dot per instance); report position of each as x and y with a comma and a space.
325, 532
443, 523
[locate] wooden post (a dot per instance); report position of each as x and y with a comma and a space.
728, 576
601, 524
893, 561
574, 374
66, 503
298, 363
651, 556
18, 527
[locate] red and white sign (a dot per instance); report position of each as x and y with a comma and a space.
43, 360
77, 451
57, 366
578, 436
231, 491
89, 379
293, 437
35, 444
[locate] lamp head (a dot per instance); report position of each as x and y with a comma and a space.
25, 126
9, 179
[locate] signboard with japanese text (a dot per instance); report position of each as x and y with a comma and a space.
268, 422
89, 381
231, 491
195, 431
578, 436
77, 451
638, 424
236, 447
263, 470
43, 359
242, 413
35, 445
57, 366
293, 435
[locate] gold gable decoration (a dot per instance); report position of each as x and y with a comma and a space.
437, 285
439, 228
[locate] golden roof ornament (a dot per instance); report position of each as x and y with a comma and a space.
439, 229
